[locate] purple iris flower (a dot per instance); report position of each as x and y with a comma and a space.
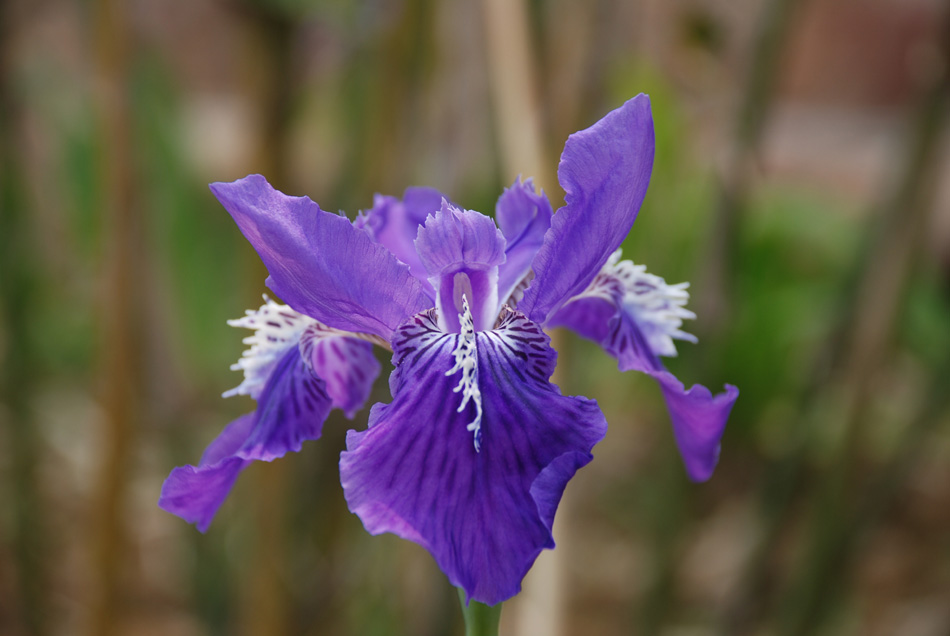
471, 456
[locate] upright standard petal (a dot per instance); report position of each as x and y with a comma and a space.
523, 216
319, 263
635, 316
604, 171
461, 250
484, 514
395, 223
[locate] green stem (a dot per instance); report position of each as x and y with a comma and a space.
480, 619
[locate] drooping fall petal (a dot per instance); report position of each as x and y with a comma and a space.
484, 514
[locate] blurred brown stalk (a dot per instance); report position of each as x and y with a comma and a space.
120, 339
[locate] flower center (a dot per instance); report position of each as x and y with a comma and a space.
461, 250
468, 290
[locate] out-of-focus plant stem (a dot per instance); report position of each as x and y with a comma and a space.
480, 619
18, 273
514, 95
715, 300
266, 610
119, 354
667, 517
842, 529
383, 82
886, 275
869, 306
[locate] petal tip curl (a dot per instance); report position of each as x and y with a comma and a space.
699, 420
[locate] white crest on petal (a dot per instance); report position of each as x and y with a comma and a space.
659, 309
277, 328
466, 361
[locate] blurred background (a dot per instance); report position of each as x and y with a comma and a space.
801, 183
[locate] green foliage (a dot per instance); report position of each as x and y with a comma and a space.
203, 268
794, 254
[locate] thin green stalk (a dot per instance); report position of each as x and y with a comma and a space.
774, 27
869, 308
19, 368
878, 304
512, 71
480, 619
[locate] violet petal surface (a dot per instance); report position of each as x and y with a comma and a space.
483, 515
319, 263
523, 216
347, 366
699, 417
394, 223
291, 409
604, 171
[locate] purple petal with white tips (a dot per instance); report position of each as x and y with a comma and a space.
346, 364
291, 409
604, 171
484, 515
320, 264
461, 250
523, 216
395, 223
613, 329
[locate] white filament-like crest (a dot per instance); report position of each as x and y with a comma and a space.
276, 329
466, 361
659, 309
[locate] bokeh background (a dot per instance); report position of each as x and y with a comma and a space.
802, 184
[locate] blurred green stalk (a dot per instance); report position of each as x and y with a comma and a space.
480, 619
773, 28
18, 369
878, 300
871, 301
512, 71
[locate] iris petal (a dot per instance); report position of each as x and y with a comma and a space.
604, 171
394, 223
699, 417
195, 493
291, 409
523, 216
319, 263
484, 515
461, 250
346, 364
